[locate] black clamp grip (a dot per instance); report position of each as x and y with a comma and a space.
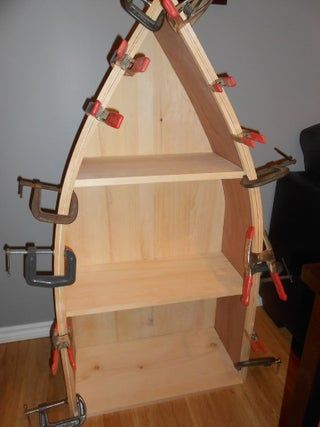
137, 13
49, 281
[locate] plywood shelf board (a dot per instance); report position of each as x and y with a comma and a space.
123, 286
127, 374
121, 170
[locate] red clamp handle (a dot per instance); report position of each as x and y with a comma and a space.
250, 233
171, 10
257, 345
55, 357
279, 286
72, 359
114, 120
228, 81
95, 108
122, 49
251, 137
140, 64
246, 290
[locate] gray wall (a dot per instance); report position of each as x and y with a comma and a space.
53, 57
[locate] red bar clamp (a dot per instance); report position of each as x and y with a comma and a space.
110, 118
257, 344
223, 80
58, 343
249, 137
255, 263
131, 65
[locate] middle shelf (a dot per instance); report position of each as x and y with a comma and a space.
122, 170
129, 285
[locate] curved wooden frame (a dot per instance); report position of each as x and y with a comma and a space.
196, 74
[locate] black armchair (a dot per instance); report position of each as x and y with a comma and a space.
295, 236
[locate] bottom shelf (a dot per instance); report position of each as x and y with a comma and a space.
127, 374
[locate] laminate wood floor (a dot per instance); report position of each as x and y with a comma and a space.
25, 379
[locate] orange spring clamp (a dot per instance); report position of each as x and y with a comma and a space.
58, 343
110, 118
131, 65
223, 81
250, 137
254, 263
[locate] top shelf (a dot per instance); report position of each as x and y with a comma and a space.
123, 170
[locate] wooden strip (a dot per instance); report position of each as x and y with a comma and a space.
122, 286
148, 370
99, 171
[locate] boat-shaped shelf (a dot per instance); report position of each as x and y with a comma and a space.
159, 237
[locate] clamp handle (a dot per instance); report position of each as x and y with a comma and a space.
49, 281
248, 278
250, 138
137, 13
246, 290
171, 10
258, 344
55, 355
223, 80
279, 286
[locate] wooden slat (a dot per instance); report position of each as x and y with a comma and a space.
98, 171
153, 369
121, 286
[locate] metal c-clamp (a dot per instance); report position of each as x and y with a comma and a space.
138, 13
42, 409
271, 171
35, 202
30, 266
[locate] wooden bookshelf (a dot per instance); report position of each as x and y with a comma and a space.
122, 170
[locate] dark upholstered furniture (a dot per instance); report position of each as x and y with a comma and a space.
295, 236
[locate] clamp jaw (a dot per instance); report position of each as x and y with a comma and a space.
223, 80
250, 137
60, 342
110, 118
255, 263
130, 65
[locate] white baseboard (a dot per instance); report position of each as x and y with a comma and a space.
25, 332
